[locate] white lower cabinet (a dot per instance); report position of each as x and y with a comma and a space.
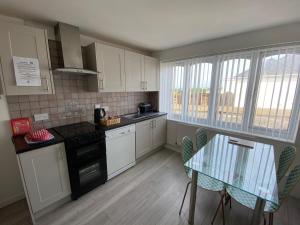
150, 134
159, 131
120, 150
45, 175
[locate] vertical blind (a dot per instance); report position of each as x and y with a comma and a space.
253, 92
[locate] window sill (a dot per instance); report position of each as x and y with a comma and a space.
239, 134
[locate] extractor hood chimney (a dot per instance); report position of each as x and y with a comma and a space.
69, 37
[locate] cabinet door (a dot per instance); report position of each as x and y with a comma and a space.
46, 175
134, 71
28, 42
159, 131
143, 138
151, 74
110, 63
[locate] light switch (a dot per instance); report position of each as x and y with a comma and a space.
42, 116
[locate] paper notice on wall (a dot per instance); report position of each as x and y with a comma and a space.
27, 71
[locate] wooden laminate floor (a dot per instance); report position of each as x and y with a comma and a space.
148, 194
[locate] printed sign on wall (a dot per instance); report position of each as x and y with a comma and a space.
27, 71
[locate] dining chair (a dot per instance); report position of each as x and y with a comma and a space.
286, 159
203, 181
249, 200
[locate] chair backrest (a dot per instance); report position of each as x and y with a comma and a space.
187, 150
292, 180
201, 138
286, 159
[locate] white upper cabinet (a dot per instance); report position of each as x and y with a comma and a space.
142, 72
121, 70
134, 70
46, 176
109, 62
151, 74
29, 42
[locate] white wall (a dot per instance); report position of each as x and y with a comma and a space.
267, 37
11, 188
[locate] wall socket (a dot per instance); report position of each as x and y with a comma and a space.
40, 117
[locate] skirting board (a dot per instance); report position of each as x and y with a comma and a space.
11, 200
172, 147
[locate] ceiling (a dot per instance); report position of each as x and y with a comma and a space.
158, 24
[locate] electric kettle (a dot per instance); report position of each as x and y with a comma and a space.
99, 113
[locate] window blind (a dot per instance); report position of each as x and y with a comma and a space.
254, 92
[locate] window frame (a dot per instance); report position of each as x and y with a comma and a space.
246, 126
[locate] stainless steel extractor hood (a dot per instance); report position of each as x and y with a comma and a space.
69, 37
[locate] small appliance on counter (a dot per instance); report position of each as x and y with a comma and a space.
145, 108
99, 114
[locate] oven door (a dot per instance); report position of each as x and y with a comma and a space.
86, 153
90, 173
86, 177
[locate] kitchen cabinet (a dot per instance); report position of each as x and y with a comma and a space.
142, 72
144, 138
159, 131
45, 175
150, 134
151, 73
109, 62
134, 70
29, 42
120, 150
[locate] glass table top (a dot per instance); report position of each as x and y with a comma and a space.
249, 169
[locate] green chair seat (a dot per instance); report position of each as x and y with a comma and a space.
208, 183
249, 200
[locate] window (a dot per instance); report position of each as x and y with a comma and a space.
232, 89
253, 92
275, 108
199, 90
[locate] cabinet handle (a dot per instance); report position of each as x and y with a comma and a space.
142, 85
101, 83
47, 85
120, 70
146, 85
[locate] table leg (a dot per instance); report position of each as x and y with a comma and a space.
258, 213
193, 197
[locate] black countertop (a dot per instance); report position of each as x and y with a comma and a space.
126, 121
21, 146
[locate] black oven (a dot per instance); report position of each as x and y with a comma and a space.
86, 156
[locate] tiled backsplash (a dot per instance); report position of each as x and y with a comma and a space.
73, 103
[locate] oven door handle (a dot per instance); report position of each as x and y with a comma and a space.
91, 172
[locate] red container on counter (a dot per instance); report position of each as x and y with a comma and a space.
21, 126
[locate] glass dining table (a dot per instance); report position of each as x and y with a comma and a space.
249, 169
